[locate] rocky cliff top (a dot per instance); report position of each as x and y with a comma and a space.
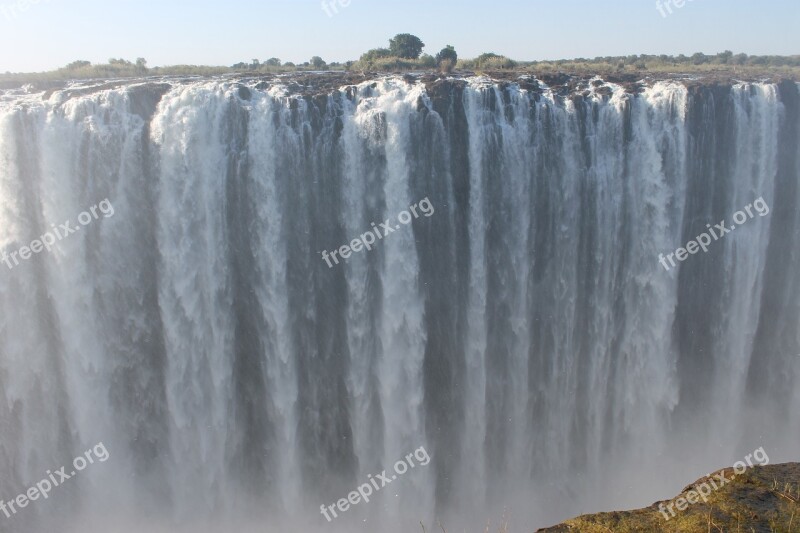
762, 499
316, 83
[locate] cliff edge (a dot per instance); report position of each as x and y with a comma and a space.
762, 499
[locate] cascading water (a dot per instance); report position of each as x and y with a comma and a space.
525, 333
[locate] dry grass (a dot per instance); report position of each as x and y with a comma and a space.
762, 499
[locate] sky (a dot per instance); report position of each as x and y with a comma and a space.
37, 35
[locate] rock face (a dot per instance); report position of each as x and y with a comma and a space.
762, 499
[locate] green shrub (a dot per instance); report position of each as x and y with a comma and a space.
427, 61
375, 53
491, 61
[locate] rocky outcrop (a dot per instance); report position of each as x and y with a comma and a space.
762, 499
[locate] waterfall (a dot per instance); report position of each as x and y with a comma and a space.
525, 333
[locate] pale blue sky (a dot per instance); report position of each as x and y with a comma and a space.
51, 33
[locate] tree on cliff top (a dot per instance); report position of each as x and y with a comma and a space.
448, 53
406, 46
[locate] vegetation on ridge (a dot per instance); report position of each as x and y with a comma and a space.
405, 53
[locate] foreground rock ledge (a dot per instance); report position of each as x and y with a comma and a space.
763, 499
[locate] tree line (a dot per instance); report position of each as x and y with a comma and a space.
406, 52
